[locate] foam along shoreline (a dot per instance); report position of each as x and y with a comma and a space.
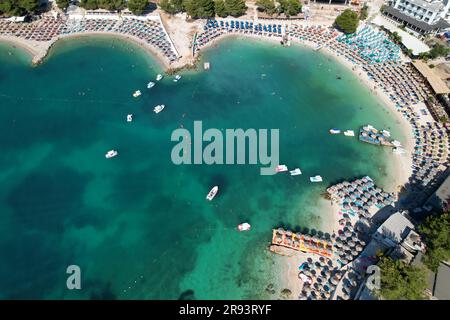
41, 50
34, 49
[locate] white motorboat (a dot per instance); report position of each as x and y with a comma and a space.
244, 226
349, 133
334, 131
150, 85
212, 193
111, 154
159, 77
177, 77
295, 172
281, 168
129, 118
137, 93
316, 179
159, 108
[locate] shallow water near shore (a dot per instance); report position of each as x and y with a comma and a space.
138, 226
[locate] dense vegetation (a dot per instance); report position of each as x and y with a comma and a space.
18, 7
62, 4
288, 7
396, 37
435, 232
135, 6
205, 8
400, 281
347, 21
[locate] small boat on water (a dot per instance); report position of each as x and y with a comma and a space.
177, 77
150, 85
281, 168
295, 172
316, 179
385, 133
334, 131
129, 118
212, 193
137, 93
159, 77
349, 133
111, 154
159, 108
244, 227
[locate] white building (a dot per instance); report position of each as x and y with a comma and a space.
422, 16
429, 11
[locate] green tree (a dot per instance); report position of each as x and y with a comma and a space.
235, 8
435, 232
396, 37
6, 7
62, 4
364, 12
111, 5
400, 281
89, 4
199, 8
347, 21
29, 5
220, 9
171, 6
137, 6
267, 6
18, 7
290, 7
439, 50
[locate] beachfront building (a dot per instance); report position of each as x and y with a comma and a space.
397, 232
439, 201
421, 16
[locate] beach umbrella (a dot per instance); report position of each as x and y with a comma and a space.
345, 296
334, 280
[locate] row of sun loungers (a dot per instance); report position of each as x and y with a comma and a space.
215, 28
49, 28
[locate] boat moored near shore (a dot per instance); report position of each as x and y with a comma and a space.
316, 179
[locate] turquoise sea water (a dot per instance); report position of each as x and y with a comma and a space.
138, 226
